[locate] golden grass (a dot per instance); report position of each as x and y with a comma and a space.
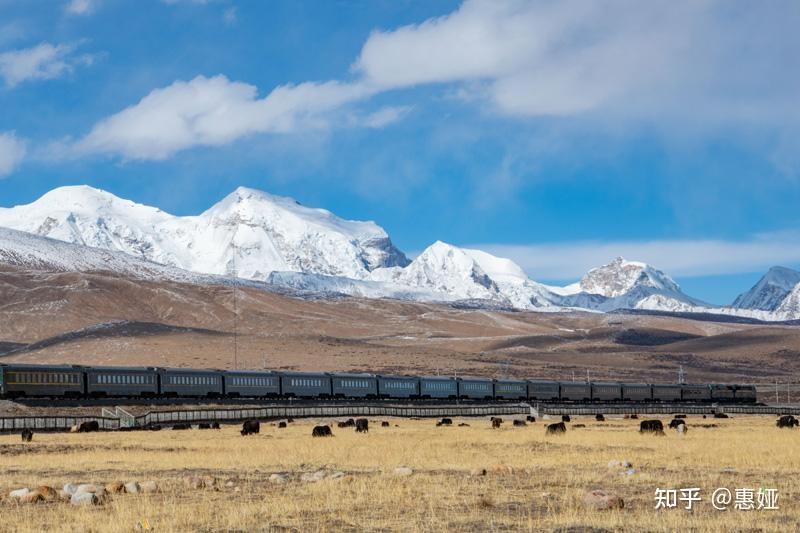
539, 487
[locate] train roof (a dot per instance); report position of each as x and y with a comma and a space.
109, 368
250, 372
353, 374
510, 380
440, 378
474, 378
317, 374
575, 383
397, 376
33, 367
194, 370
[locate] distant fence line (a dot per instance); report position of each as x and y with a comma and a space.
232, 415
239, 414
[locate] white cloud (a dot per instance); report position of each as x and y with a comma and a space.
81, 7
212, 112
385, 116
42, 62
630, 59
12, 152
687, 258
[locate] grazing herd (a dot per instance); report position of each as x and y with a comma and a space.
361, 425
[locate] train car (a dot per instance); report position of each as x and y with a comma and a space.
575, 391
475, 388
191, 383
251, 384
695, 393
398, 386
121, 381
543, 390
637, 392
354, 385
746, 394
510, 389
722, 393
438, 387
41, 380
305, 385
666, 393
606, 391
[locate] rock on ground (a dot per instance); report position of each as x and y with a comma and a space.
602, 500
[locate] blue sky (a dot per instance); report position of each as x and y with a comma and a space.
557, 134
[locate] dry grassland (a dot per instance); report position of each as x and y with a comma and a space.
534, 482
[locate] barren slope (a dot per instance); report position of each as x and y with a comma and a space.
96, 318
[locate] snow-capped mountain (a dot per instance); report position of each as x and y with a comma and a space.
25, 250
621, 276
253, 232
771, 291
272, 239
623, 284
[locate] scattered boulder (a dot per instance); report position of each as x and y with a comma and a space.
18, 493
602, 500
200, 482
32, 497
279, 479
501, 469
148, 486
115, 487
84, 498
48, 493
313, 477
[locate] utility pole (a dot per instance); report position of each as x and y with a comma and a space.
776, 393
681, 375
587, 375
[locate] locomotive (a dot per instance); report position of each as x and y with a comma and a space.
77, 381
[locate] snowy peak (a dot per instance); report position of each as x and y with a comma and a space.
249, 231
444, 268
771, 290
621, 276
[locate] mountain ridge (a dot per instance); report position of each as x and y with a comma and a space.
276, 240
